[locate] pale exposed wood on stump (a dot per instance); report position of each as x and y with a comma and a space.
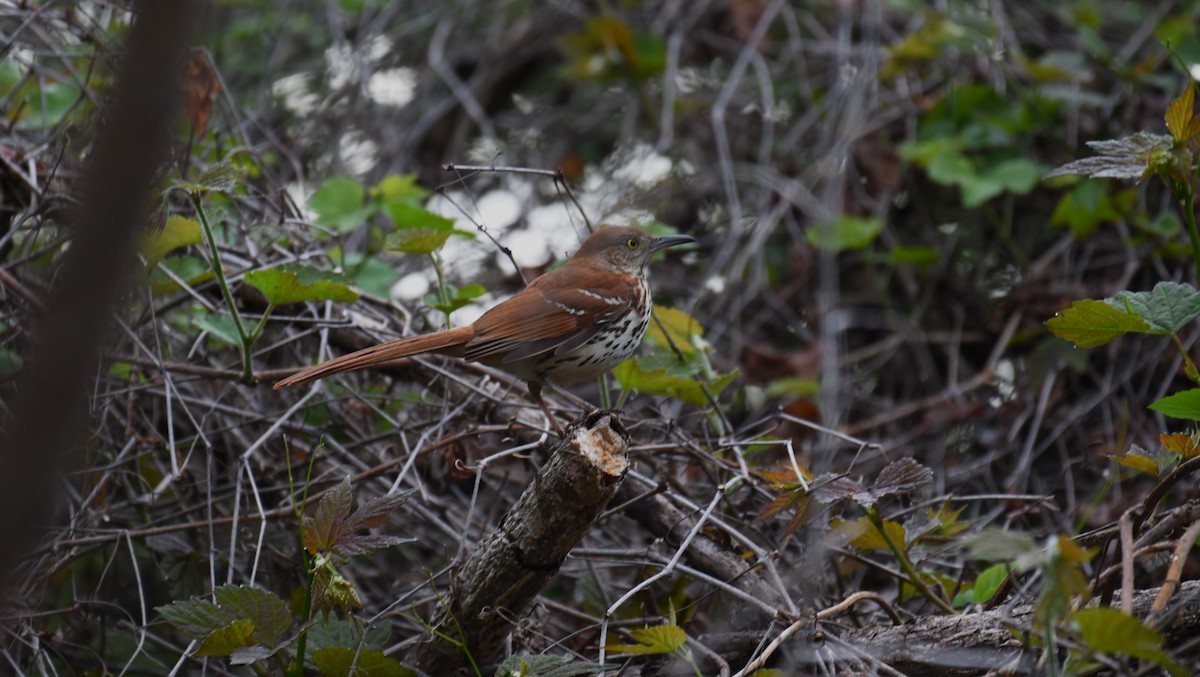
512, 565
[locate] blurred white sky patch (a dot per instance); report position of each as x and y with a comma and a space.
499, 209
642, 166
358, 153
294, 91
1194, 71
299, 194
412, 287
340, 66
392, 86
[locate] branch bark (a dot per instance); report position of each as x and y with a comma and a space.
512, 565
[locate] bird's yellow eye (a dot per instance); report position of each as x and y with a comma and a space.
632, 243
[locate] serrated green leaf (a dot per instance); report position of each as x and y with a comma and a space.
224, 641
196, 617
631, 376
295, 282
268, 614
340, 204
1185, 405
847, 232
340, 661
330, 632
657, 639
178, 232
1167, 307
1111, 631
1089, 323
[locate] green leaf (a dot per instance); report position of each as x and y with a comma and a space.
988, 582
1167, 307
1089, 323
682, 330
220, 326
399, 188
1109, 630
793, 386
267, 613
657, 639
1185, 405
191, 269
221, 177
340, 204
921, 257
1085, 207
1013, 176
631, 376
407, 216
370, 274
848, 232
458, 298
295, 282
998, 545
950, 169
46, 106
178, 232
418, 231
339, 661
224, 641
864, 536
196, 617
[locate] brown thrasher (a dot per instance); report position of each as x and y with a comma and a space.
568, 326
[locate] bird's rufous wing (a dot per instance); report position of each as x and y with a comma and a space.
557, 312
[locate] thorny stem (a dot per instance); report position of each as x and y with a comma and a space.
1187, 200
905, 564
219, 271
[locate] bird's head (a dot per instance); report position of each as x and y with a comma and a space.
626, 249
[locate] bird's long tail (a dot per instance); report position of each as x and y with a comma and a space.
447, 341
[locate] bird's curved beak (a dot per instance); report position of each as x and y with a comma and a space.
670, 241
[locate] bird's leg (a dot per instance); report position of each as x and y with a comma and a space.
535, 394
